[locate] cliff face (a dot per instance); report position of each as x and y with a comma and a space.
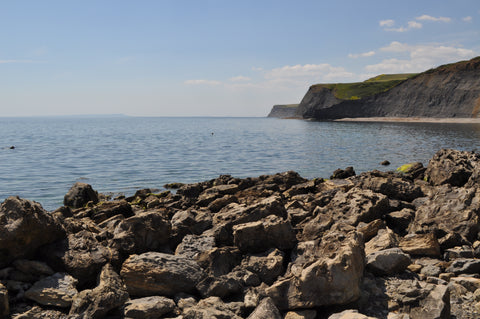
283, 111
448, 91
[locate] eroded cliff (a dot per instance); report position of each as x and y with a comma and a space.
448, 91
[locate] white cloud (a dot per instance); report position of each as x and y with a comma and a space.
16, 61
410, 25
414, 25
361, 55
417, 58
467, 19
203, 82
306, 71
426, 17
240, 78
387, 23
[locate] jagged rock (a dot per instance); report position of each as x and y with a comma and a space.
326, 272
221, 202
303, 188
148, 307
464, 266
212, 308
400, 220
384, 239
219, 261
193, 245
259, 236
452, 167
266, 309
235, 214
343, 173
301, 314
56, 290
146, 231
154, 273
370, 230
36, 312
110, 293
388, 262
221, 286
458, 252
435, 306
420, 245
358, 205
191, 222
268, 266
449, 210
24, 227
79, 195
472, 284
349, 314
390, 185
81, 255
107, 210
4, 303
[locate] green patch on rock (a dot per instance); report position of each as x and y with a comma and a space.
404, 169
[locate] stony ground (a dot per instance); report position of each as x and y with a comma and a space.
394, 245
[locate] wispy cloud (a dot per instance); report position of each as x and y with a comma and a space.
467, 19
308, 72
239, 78
427, 17
203, 82
16, 61
361, 55
387, 23
417, 58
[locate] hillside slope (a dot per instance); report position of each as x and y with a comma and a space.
451, 90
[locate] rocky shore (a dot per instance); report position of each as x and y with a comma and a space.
396, 245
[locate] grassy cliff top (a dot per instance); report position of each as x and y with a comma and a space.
286, 105
360, 90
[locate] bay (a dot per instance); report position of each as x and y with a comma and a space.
123, 154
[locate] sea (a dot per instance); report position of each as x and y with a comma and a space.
122, 154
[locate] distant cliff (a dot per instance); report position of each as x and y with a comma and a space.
451, 90
283, 111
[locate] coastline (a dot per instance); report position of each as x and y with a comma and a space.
242, 247
411, 120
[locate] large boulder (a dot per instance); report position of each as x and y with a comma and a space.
24, 227
146, 231
452, 167
268, 266
326, 272
388, 262
155, 273
56, 290
259, 236
449, 210
148, 307
80, 255
94, 303
79, 195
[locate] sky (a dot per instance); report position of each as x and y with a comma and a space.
214, 58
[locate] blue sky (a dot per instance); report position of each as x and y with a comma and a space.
214, 58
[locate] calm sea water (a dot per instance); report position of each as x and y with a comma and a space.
123, 154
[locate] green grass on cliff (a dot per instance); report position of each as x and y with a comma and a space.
360, 90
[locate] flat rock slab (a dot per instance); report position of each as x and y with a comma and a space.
162, 274
56, 290
388, 262
148, 307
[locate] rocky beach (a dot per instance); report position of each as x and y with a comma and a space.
397, 245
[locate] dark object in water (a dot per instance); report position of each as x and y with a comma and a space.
12, 147
385, 163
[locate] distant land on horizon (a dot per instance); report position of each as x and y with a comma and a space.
448, 91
